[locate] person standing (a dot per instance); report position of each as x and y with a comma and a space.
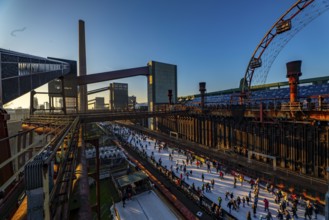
247, 199
219, 201
254, 208
123, 201
294, 210
248, 215
316, 209
266, 205
269, 216
230, 204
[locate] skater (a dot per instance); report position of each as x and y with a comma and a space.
266, 205
219, 201
248, 215
123, 201
254, 208
247, 199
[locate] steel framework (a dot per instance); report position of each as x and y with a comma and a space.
284, 29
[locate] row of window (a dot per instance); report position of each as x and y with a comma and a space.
31, 68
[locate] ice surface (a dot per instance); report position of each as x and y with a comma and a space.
221, 186
145, 206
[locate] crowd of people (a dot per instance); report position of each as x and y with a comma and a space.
211, 179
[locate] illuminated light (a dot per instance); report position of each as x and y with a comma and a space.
283, 26
25, 127
42, 130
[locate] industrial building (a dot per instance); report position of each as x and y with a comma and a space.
275, 132
118, 96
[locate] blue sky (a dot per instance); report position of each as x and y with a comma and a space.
209, 40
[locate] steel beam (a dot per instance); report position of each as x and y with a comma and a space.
112, 75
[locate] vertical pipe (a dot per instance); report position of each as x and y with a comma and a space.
202, 89
293, 74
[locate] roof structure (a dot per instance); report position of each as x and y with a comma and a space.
131, 178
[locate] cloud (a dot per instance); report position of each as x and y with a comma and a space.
17, 30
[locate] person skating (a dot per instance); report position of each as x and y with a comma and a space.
230, 204
269, 216
238, 200
248, 215
287, 214
294, 210
212, 183
219, 201
247, 199
254, 208
266, 204
309, 210
124, 201
279, 215
226, 195
316, 209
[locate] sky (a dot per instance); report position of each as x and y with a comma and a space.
210, 40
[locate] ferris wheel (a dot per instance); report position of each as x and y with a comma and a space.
284, 29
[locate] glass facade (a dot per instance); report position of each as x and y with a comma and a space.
21, 73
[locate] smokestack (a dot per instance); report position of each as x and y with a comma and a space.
82, 67
293, 74
202, 89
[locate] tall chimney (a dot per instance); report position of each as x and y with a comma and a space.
202, 89
293, 74
82, 67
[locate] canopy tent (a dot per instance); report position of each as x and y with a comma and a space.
131, 178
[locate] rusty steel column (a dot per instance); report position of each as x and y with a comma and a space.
202, 89
293, 74
82, 67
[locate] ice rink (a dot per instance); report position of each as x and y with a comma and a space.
221, 186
